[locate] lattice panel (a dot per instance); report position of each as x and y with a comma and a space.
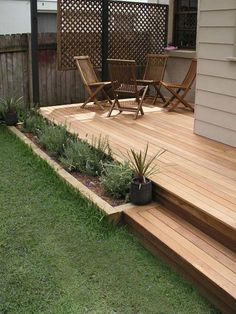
79, 31
136, 29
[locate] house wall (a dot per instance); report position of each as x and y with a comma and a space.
215, 108
47, 6
179, 60
176, 69
47, 22
14, 17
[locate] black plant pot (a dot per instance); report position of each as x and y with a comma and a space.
11, 118
140, 193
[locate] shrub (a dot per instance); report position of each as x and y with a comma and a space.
33, 123
80, 156
53, 138
102, 147
116, 179
75, 155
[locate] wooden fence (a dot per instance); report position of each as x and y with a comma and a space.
56, 87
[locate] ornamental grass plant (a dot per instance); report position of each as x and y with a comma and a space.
142, 165
10, 105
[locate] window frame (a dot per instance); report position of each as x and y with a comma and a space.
176, 14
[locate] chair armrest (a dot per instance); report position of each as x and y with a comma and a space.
99, 84
172, 85
145, 81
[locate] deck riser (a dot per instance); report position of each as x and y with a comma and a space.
215, 294
207, 223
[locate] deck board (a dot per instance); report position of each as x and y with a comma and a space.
198, 170
212, 265
199, 258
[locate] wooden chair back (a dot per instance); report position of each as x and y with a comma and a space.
155, 67
191, 74
86, 69
122, 72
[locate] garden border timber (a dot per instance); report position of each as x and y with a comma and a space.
114, 214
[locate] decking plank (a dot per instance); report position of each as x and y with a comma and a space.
196, 256
198, 238
220, 275
179, 143
158, 243
197, 170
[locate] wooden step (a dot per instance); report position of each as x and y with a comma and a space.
207, 263
196, 177
219, 226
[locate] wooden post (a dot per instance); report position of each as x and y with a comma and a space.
104, 43
34, 51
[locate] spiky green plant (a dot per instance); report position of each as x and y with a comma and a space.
10, 104
142, 165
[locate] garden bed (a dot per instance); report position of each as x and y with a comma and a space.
88, 164
85, 184
93, 183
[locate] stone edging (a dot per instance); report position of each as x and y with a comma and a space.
113, 213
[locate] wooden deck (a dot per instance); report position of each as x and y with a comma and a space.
199, 171
196, 186
204, 261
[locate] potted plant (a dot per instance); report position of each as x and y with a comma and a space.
143, 167
9, 108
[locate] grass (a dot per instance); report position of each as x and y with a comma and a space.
58, 254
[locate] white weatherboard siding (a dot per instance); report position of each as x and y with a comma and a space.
215, 109
14, 17
47, 6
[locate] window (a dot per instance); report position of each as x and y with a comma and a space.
185, 24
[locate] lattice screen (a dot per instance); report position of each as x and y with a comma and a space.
79, 31
135, 29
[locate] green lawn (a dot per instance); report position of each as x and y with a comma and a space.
57, 254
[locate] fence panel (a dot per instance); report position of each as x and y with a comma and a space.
56, 87
14, 76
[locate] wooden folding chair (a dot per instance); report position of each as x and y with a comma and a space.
93, 86
154, 73
179, 91
124, 84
